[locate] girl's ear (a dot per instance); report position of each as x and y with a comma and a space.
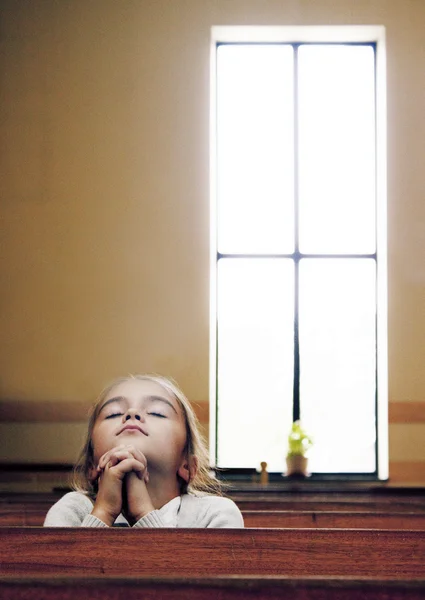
188, 468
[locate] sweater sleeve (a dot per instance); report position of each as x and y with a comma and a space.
152, 519
166, 516
209, 511
223, 512
72, 510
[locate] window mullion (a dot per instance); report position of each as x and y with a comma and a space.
296, 398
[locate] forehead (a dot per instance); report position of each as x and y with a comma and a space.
138, 389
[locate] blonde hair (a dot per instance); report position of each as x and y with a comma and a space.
201, 479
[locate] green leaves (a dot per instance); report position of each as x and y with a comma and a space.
298, 441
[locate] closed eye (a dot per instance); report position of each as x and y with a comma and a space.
155, 414
114, 415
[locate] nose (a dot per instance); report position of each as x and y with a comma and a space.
132, 413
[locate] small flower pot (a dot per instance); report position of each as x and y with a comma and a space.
297, 465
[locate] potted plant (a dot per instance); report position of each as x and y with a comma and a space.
298, 445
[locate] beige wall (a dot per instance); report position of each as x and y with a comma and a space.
104, 197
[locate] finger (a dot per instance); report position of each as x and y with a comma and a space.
136, 453
121, 452
104, 459
143, 475
116, 457
94, 475
127, 465
131, 452
113, 460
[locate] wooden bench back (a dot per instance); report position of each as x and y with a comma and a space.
334, 519
390, 501
339, 505
34, 517
210, 552
273, 501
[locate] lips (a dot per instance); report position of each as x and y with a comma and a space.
132, 428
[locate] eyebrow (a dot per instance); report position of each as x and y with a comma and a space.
120, 399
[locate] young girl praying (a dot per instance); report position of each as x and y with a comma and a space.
144, 464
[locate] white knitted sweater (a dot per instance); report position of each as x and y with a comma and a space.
188, 510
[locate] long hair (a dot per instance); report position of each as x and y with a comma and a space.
201, 480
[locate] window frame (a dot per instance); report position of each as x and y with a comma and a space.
372, 35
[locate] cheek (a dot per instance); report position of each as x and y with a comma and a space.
181, 438
99, 441
174, 440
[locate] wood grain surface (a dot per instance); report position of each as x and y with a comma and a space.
334, 519
210, 552
33, 516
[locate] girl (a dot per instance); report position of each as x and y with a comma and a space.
144, 464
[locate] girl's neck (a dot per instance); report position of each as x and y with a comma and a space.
162, 490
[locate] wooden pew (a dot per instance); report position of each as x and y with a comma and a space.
327, 505
32, 513
39, 498
59, 564
247, 506
283, 504
87, 552
256, 499
337, 491
334, 519
385, 500
222, 588
22, 517
289, 509
284, 510
406, 497
34, 517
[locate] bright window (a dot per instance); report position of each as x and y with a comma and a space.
298, 252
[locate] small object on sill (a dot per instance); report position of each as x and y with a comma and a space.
264, 476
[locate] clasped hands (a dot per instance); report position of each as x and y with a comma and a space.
122, 475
